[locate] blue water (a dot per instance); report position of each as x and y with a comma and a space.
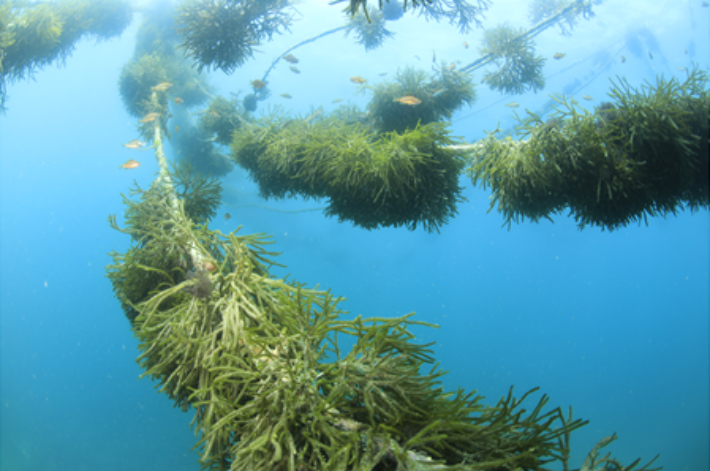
613, 324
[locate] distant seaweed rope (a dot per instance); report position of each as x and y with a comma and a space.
481, 62
532, 32
292, 48
577, 89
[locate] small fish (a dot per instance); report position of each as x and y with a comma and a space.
433, 57
227, 216
134, 144
291, 59
178, 100
681, 69
408, 100
559, 55
337, 100
650, 55
512, 104
161, 87
258, 84
438, 92
623, 59
418, 58
465, 44
209, 266
587, 97
452, 66
294, 69
357, 79
382, 74
705, 4
177, 128
686, 51
130, 164
214, 114
286, 95
150, 117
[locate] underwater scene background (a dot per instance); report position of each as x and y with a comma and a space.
612, 323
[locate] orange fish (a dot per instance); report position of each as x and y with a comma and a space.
408, 100
130, 164
357, 79
291, 58
134, 144
161, 87
209, 266
178, 100
258, 84
150, 117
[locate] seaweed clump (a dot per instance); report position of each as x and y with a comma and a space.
221, 118
369, 30
258, 360
198, 197
386, 168
513, 51
542, 10
442, 94
36, 34
458, 12
372, 179
221, 34
643, 154
156, 60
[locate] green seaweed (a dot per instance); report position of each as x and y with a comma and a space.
441, 94
541, 10
143, 72
374, 180
458, 12
369, 29
643, 154
222, 34
519, 69
594, 463
36, 34
259, 361
221, 118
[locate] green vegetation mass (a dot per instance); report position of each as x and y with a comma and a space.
645, 153
36, 34
258, 359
